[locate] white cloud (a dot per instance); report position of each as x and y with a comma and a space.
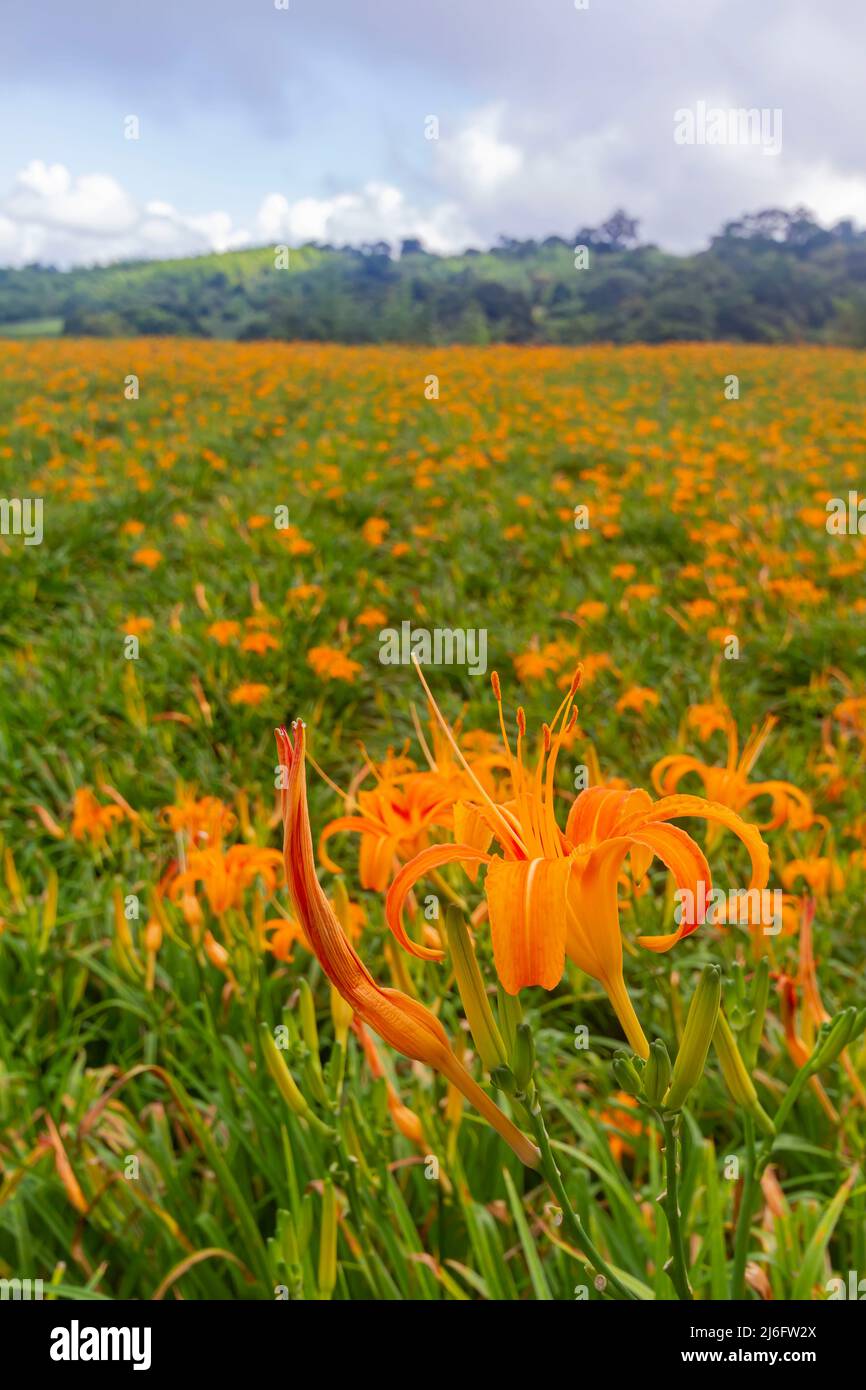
379, 212
501, 170
53, 217
837, 195
478, 159
48, 195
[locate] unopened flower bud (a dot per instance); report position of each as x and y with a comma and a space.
524, 1056
657, 1072
697, 1035
626, 1074
470, 983
737, 1078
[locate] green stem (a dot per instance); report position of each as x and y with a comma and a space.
447, 891
677, 1267
595, 1259
744, 1219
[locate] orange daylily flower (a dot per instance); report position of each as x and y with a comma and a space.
224, 631
149, 557
281, 936
851, 714
637, 699
203, 819
329, 663
259, 642
227, 875
730, 784
402, 1022
135, 626
819, 871
708, 719
535, 664
392, 818
91, 819
372, 617
249, 693
552, 893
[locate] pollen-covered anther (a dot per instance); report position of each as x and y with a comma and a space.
521, 721
497, 691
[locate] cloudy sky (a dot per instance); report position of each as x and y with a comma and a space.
260, 124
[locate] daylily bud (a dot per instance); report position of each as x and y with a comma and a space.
286, 1085
737, 1078
342, 1014
216, 952
479, 1014
311, 1038
153, 935
340, 899
833, 1038
328, 1242
760, 993
697, 1035
524, 1056
657, 1073
408, 1123
626, 1074
503, 1079
192, 914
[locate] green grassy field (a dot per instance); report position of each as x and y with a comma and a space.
227, 532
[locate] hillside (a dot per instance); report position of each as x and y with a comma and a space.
773, 276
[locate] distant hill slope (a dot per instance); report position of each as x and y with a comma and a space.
773, 276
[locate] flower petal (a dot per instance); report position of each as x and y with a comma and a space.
672, 807
405, 878
471, 828
527, 901
595, 814
362, 824
690, 869
669, 772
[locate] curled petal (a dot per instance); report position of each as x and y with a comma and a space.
408, 876
788, 804
360, 824
691, 872
672, 807
596, 814
670, 771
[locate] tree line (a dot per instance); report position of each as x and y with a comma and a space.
768, 277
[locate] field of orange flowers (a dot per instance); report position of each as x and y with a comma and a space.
548, 897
